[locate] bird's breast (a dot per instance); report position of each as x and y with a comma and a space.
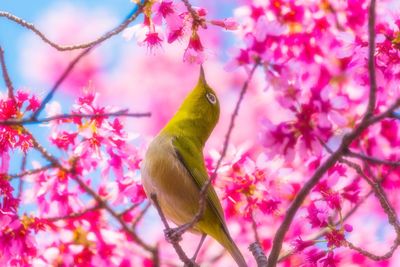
164, 175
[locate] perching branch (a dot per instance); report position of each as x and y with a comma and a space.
258, 254
181, 254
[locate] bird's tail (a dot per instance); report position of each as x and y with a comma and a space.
227, 242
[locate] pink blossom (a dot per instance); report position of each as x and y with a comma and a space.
228, 24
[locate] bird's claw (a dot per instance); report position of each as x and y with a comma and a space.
174, 235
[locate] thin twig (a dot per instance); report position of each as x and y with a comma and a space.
334, 157
30, 172
372, 159
99, 40
140, 216
181, 254
322, 169
6, 77
75, 61
129, 209
73, 215
21, 181
121, 113
326, 229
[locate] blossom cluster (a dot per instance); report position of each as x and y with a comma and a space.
171, 21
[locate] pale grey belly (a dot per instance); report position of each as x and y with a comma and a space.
176, 191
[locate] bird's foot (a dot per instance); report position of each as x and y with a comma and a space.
173, 235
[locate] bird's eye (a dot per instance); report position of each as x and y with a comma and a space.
211, 98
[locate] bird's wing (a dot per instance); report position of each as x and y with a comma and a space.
187, 153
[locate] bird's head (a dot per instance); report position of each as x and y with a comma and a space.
199, 112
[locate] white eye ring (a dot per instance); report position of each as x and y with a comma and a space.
211, 98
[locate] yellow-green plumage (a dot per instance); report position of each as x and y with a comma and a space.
174, 168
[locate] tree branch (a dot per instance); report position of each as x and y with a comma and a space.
181, 254
30, 172
387, 208
197, 21
75, 61
372, 159
326, 229
95, 42
6, 77
121, 113
371, 60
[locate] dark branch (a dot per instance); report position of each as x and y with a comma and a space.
181, 254
141, 215
387, 208
371, 60
30, 172
73, 215
258, 254
54, 161
6, 77
121, 113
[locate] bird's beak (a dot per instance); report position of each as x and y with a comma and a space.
202, 77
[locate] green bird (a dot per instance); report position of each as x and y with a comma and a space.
174, 170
